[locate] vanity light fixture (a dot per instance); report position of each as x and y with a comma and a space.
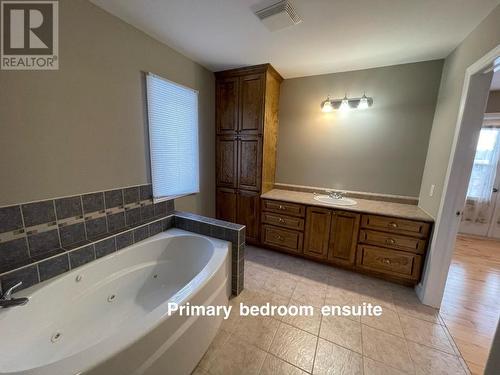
345, 104
363, 102
326, 105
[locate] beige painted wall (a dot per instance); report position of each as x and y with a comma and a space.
493, 105
380, 150
83, 128
484, 38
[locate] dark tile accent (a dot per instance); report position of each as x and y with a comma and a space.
53, 267
38, 213
13, 252
146, 192
105, 247
160, 208
93, 202
131, 195
69, 207
71, 234
43, 242
114, 198
147, 212
155, 228
28, 276
170, 206
133, 216
116, 221
124, 239
77, 244
96, 227
81, 256
10, 219
141, 233
168, 222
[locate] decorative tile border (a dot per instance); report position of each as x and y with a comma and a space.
58, 261
31, 232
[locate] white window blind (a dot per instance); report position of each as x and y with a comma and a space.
173, 138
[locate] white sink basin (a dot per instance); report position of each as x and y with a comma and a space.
334, 201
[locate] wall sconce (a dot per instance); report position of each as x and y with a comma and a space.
345, 104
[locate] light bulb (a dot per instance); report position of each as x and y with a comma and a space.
326, 106
344, 105
363, 102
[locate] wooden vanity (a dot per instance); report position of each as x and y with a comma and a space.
392, 248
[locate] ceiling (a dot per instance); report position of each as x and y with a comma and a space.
335, 35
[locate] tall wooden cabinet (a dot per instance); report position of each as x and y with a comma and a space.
247, 125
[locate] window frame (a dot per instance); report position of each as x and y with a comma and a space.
156, 76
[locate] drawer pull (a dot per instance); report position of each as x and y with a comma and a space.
390, 241
393, 224
279, 238
282, 208
386, 261
281, 221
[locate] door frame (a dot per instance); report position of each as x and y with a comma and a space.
431, 289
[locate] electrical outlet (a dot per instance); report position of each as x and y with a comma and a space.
431, 191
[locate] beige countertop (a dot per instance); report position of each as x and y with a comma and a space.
404, 211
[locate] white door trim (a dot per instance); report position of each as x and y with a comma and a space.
431, 288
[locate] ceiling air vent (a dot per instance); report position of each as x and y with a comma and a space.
278, 16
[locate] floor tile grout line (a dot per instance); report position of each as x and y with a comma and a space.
450, 338
406, 344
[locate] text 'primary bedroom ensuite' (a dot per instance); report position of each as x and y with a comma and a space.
249, 187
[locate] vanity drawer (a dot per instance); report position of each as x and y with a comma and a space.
283, 221
389, 262
395, 225
282, 238
394, 241
284, 208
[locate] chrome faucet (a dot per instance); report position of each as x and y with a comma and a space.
335, 194
7, 301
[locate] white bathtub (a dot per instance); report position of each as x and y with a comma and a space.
74, 327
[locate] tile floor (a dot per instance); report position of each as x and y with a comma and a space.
409, 338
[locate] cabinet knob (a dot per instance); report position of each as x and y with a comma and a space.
279, 238
393, 225
390, 241
386, 261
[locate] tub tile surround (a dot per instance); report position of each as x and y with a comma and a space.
40, 240
67, 242
328, 345
223, 230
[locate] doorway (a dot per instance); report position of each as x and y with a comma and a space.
469, 266
481, 214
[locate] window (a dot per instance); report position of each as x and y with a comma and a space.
485, 165
173, 138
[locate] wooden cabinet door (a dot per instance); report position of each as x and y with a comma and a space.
251, 104
317, 232
343, 237
227, 161
249, 162
226, 105
248, 208
226, 205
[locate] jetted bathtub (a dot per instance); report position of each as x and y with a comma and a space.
110, 316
